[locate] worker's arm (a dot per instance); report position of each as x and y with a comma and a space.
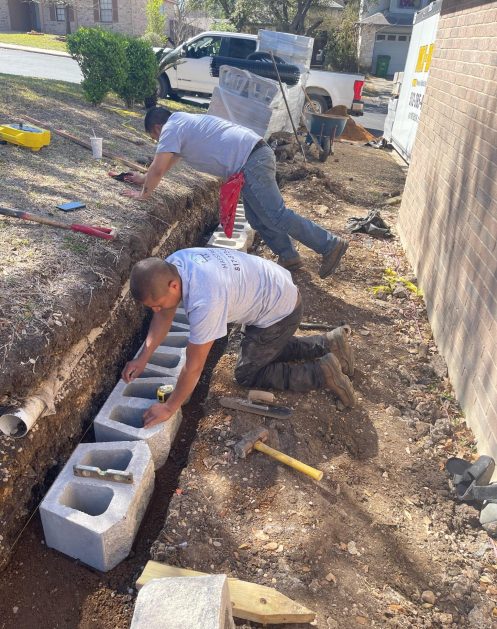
158, 168
158, 330
196, 355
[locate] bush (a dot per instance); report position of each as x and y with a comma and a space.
341, 49
140, 81
154, 39
102, 59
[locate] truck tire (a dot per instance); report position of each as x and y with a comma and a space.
320, 103
164, 88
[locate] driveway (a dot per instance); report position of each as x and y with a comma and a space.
39, 66
376, 94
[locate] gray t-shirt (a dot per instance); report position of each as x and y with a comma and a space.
207, 143
222, 286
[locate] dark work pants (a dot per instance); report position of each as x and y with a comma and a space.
265, 354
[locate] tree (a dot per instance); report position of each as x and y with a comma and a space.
156, 21
341, 49
302, 17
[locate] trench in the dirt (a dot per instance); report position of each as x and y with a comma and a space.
66, 589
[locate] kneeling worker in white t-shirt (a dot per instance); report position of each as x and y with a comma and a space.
220, 286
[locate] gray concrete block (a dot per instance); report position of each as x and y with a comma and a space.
184, 603
228, 243
96, 520
121, 417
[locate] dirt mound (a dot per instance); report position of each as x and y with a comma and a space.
353, 131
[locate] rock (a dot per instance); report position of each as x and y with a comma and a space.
428, 597
322, 210
438, 365
394, 411
422, 428
352, 548
261, 536
314, 586
400, 292
332, 623
444, 619
217, 544
480, 617
270, 546
331, 578
15, 610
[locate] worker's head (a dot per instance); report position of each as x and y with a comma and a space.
156, 284
155, 119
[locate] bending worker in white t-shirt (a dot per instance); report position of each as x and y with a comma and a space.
218, 147
220, 286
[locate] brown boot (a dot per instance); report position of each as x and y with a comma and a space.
291, 264
337, 342
335, 380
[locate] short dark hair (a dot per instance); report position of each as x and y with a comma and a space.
150, 278
156, 115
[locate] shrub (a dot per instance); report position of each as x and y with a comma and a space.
141, 75
154, 40
102, 59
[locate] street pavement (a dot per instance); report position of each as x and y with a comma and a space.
39, 66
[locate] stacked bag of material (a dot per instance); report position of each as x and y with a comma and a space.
255, 101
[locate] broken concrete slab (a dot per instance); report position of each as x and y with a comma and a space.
121, 417
96, 520
184, 603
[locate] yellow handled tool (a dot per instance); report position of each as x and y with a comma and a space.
255, 439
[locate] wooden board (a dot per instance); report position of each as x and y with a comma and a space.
250, 601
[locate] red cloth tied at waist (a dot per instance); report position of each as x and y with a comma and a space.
229, 194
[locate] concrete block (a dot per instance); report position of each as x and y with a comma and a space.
121, 417
228, 243
184, 603
96, 520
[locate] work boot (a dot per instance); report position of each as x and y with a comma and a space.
331, 260
291, 264
337, 342
335, 380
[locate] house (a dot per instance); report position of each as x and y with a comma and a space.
384, 28
123, 16
448, 216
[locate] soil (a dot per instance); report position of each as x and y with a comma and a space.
379, 541
57, 286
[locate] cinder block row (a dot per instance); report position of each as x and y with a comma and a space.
95, 520
121, 416
184, 603
243, 235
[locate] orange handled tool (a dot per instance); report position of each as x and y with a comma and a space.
109, 233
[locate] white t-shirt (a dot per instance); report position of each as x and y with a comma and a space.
222, 286
207, 143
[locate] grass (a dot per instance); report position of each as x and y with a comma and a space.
48, 42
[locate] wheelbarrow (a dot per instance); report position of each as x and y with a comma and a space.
322, 130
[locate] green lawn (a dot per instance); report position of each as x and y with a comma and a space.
35, 41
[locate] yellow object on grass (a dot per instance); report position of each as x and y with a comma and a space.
26, 135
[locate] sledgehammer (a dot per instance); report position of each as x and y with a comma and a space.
254, 440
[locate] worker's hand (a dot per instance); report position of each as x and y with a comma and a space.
134, 194
135, 178
133, 369
156, 414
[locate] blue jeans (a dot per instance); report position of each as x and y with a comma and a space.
266, 211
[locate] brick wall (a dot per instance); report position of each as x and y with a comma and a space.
448, 216
131, 17
4, 16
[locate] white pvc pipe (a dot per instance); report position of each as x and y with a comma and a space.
18, 423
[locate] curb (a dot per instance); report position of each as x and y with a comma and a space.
42, 51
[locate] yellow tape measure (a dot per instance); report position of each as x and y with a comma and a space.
163, 392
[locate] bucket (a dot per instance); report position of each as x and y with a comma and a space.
96, 147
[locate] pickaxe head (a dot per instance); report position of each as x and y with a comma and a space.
246, 443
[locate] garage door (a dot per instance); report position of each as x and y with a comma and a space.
395, 46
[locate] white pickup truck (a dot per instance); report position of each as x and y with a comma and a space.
186, 70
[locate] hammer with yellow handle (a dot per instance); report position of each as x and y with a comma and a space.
254, 440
